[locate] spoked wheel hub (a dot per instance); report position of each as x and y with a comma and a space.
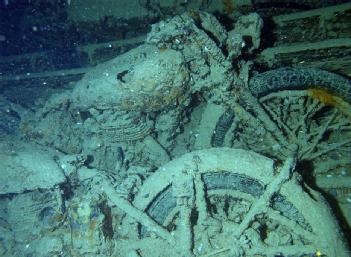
227, 203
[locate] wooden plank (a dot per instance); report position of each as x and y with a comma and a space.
315, 12
89, 49
98, 53
271, 54
312, 26
57, 73
333, 182
333, 55
88, 55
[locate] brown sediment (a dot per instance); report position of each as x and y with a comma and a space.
228, 6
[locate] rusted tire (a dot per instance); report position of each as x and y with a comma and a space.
299, 78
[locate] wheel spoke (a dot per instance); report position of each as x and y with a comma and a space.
200, 199
264, 117
337, 128
326, 148
301, 127
279, 121
246, 140
202, 209
136, 214
293, 250
216, 252
275, 215
260, 206
320, 135
183, 189
312, 106
341, 126
325, 166
283, 94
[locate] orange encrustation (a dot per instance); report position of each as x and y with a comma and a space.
328, 98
